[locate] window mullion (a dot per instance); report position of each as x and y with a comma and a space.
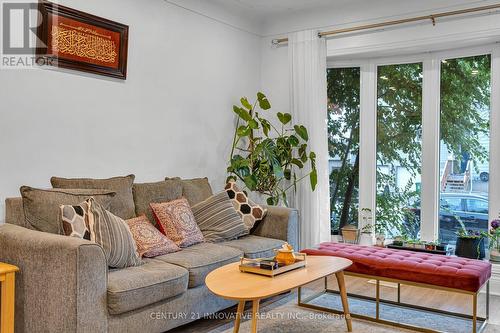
368, 139
430, 150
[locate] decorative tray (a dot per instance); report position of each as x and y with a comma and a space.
254, 265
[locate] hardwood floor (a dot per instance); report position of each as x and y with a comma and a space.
420, 296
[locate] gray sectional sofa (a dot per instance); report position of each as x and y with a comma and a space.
64, 284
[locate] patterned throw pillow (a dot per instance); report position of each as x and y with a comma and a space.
75, 220
250, 212
150, 242
176, 221
218, 220
113, 234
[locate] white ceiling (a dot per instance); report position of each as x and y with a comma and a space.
265, 8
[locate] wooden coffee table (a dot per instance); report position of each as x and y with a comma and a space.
229, 283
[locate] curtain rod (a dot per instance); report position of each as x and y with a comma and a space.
431, 17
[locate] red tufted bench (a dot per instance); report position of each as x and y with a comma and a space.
438, 270
426, 270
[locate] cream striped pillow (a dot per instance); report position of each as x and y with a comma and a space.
113, 234
218, 220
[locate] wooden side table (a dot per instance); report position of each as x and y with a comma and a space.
7, 282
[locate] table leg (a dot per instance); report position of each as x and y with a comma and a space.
239, 314
255, 313
7, 303
343, 295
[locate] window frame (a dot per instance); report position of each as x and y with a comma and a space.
430, 194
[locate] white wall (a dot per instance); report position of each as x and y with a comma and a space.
171, 117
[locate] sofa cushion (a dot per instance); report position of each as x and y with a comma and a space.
201, 259
113, 235
42, 207
250, 212
135, 287
149, 240
195, 190
146, 193
255, 246
175, 220
122, 204
217, 219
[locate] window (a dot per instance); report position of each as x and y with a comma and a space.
464, 151
416, 153
399, 148
343, 145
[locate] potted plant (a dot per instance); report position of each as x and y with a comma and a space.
419, 244
350, 234
495, 241
441, 246
430, 246
379, 235
470, 243
270, 156
366, 237
398, 241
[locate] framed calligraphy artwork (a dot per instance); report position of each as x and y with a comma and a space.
80, 41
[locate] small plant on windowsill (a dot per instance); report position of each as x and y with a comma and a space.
470, 243
494, 237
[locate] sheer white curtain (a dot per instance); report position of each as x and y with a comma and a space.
308, 94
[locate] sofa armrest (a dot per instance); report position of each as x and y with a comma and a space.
280, 223
61, 285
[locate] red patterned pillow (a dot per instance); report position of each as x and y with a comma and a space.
176, 221
150, 242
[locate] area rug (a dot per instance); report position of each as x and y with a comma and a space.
286, 316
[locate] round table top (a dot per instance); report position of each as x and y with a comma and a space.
228, 282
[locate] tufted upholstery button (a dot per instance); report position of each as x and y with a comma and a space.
433, 269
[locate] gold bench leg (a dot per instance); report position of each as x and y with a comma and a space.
474, 313
7, 303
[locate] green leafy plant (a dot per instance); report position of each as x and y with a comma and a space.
266, 155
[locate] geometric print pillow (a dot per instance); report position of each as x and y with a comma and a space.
75, 220
250, 212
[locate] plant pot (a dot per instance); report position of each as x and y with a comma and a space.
430, 247
495, 255
350, 234
380, 240
441, 247
420, 246
397, 243
472, 248
366, 239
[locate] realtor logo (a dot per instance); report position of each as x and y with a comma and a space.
20, 21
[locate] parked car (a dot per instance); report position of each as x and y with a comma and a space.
470, 208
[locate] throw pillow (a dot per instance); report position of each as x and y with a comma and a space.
75, 220
176, 221
114, 236
41, 207
150, 242
122, 204
164, 191
218, 220
195, 190
250, 212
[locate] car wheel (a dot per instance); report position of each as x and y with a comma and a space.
484, 176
